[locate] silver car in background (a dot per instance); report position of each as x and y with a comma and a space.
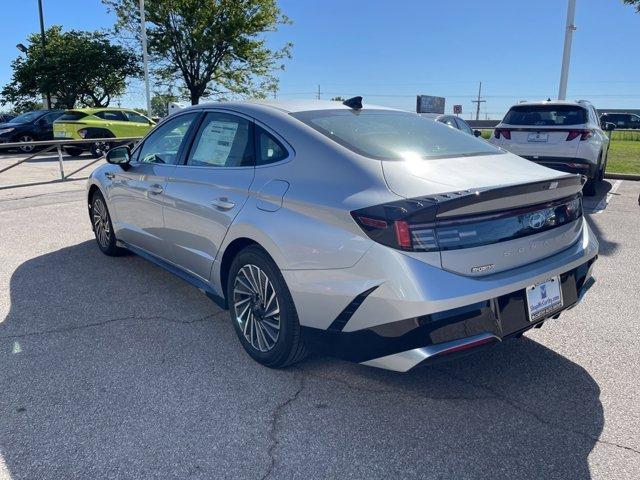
363, 232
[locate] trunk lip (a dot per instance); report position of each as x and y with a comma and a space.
454, 200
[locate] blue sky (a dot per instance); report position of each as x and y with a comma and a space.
390, 51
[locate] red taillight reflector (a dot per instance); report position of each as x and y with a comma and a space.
506, 133
402, 234
583, 134
372, 222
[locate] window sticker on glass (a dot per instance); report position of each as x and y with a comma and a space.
215, 143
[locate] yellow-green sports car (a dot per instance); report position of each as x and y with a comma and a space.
84, 123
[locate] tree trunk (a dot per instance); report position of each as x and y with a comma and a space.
195, 96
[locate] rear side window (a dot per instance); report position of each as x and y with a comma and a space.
72, 116
223, 140
112, 115
394, 135
269, 149
546, 115
136, 117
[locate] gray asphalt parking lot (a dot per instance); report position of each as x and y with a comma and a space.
113, 368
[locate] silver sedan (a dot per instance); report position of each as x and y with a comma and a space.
364, 232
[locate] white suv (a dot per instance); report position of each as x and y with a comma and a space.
565, 136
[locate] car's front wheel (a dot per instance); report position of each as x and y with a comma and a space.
73, 151
102, 226
262, 310
26, 139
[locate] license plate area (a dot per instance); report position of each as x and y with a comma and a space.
544, 298
538, 137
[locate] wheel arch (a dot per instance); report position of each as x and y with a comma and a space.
230, 252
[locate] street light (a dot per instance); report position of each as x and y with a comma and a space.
22, 48
44, 55
145, 56
566, 54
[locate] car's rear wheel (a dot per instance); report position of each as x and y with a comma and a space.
262, 310
73, 151
102, 226
99, 149
26, 139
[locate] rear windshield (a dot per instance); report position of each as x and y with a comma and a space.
391, 135
72, 116
546, 115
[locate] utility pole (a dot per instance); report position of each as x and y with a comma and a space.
318, 94
44, 54
478, 102
145, 56
566, 55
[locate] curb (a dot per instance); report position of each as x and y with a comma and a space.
622, 176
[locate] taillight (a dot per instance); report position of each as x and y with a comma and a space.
411, 224
82, 132
583, 134
505, 132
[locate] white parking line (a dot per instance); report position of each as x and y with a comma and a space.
602, 205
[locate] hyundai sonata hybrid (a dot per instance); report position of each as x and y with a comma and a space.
359, 231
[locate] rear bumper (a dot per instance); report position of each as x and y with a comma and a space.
405, 344
581, 166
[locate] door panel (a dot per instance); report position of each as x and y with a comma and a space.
204, 196
137, 195
137, 198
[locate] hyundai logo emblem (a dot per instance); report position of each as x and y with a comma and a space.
537, 220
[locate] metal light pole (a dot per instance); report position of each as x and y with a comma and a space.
566, 56
44, 54
145, 56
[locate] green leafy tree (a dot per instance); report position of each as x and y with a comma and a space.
636, 3
216, 47
338, 99
79, 68
160, 104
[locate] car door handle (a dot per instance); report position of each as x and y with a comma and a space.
223, 203
110, 175
155, 190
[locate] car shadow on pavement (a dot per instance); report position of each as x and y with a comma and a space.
111, 367
594, 206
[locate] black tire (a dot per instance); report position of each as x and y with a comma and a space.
589, 188
26, 138
288, 347
602, 169
73, 151
100, 219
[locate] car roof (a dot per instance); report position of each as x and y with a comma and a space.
553, 102
289, 106
92, 110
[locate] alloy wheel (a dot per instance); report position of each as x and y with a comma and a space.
256, 308
101, 223
26, 139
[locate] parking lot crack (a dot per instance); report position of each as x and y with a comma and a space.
107, 322
552, 425
274, 430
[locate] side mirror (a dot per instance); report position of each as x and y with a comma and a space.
477, 133
119, 156
609, 127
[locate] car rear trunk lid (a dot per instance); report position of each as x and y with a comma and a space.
490, 213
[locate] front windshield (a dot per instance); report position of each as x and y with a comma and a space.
391, 135
26, 117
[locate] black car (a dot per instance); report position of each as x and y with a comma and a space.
621, 120
29, 127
